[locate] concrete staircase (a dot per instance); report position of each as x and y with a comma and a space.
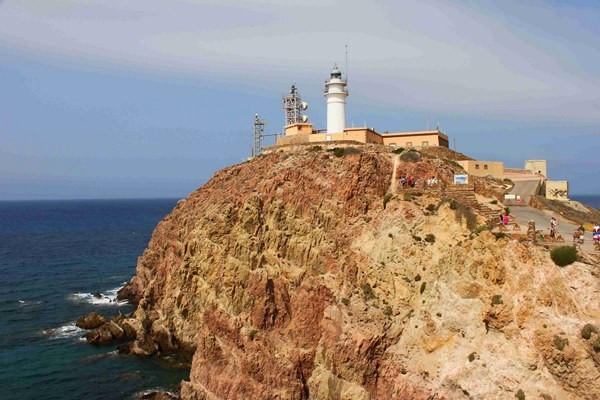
465, 194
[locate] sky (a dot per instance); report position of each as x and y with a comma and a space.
149, 98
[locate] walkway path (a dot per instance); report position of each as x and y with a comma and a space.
566, 228
394, 183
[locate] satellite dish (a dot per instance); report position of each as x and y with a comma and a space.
304, 118
303, 105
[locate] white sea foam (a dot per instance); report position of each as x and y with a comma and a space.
64, 332
175, 395
99, 299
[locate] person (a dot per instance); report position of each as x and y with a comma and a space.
505, 219
552, 234
582, 229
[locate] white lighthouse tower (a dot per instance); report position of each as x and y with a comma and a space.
336, 93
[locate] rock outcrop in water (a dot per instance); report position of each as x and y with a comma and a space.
294, 276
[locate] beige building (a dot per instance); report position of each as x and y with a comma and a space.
557, 190
303, 133
483, 168
536, 167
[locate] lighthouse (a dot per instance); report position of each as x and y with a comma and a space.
336, 93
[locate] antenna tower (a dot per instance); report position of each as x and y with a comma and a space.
259, 133
293, 105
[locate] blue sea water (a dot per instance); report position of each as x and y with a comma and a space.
53, 256
588, 200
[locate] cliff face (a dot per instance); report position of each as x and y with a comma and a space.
289, 279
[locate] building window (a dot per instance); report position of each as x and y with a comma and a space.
485, 166
476, 166
408, 144
392, 144
425, 144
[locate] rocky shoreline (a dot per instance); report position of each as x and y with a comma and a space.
308, 274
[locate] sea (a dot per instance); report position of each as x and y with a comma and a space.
588, 200
54, 257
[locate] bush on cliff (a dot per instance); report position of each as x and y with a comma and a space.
398, 150
410, 156
564, 255
587, 331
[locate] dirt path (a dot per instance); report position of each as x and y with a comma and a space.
394, 183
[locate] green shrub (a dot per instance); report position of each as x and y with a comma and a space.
430, 238
407, 197
368, 219
345, 301
587, 331
560, 342
338, 152
352, 150
252, 334
410, 156
507, 210
390, 236
481, 228
500, 235
430, 208
494, 202
398, 150
596, 344
416, 238
497, 299
386, 199
417, 278
520, 395
315, 148
367, 291
388, 311
564, 255
423, 285
472, 356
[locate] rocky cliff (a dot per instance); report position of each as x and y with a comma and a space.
297, 276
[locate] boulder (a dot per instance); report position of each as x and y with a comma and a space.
91, 321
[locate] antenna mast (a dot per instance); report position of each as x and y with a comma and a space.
259, 133
346, 63
293, 105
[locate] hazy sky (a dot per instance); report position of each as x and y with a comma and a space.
148, 98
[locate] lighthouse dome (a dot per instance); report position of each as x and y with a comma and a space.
335, 72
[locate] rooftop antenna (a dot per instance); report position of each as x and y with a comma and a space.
259, 133
346, 63
293, 105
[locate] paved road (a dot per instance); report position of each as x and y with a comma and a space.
523, 214
525, 188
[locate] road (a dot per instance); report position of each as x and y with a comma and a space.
523, 214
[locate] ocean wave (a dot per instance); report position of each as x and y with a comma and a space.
99, 299
64, 332
140, 395
26, 303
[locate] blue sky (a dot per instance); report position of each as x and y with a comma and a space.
147, 98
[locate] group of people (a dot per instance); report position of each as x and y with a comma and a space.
596, 234
411, 182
